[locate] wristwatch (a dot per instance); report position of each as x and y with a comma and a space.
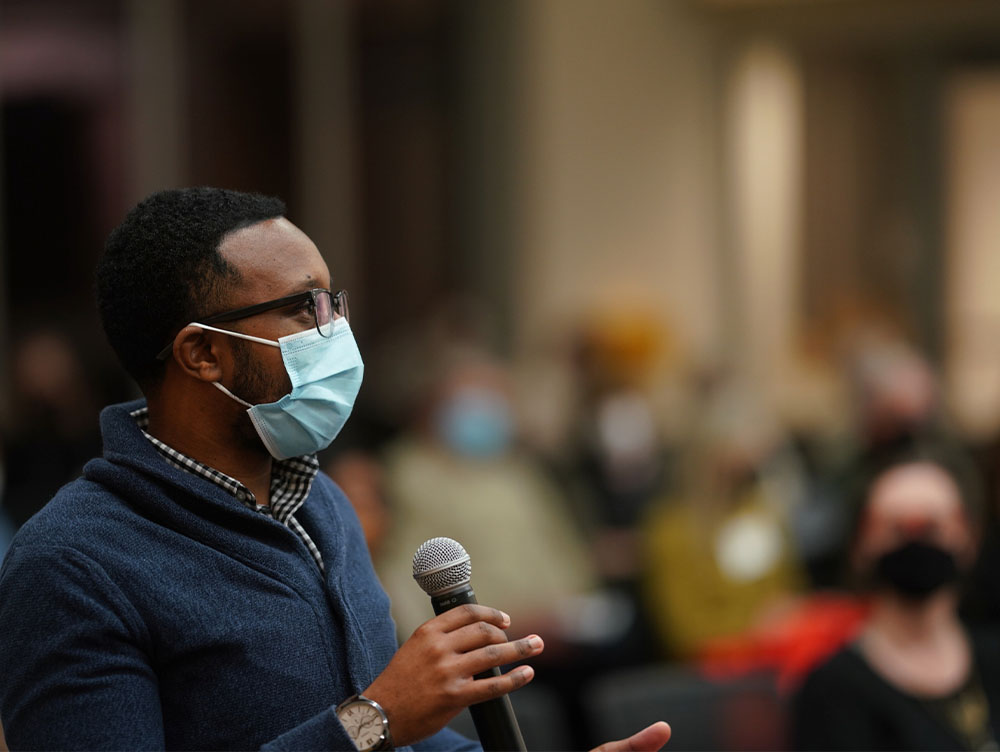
366, 723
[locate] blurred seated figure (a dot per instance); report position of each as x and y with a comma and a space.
459, 473
790, 642
52, 431
895, 400
718, 554
915, 677
896, 394
359, 475
619, 456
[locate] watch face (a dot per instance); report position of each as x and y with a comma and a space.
363, 724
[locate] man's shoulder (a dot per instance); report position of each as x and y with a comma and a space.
78, 506
328, 506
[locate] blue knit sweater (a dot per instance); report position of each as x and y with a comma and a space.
145, 608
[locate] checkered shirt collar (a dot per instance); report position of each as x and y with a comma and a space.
291, 481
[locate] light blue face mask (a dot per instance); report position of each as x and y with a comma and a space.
326, 375
475, 422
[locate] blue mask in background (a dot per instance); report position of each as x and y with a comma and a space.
475, 422
326, 375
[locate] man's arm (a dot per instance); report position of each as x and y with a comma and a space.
72, 674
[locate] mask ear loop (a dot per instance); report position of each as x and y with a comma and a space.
225, 391
250, 337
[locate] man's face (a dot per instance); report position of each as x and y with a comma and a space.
275, 259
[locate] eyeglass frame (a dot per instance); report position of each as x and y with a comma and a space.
338, 306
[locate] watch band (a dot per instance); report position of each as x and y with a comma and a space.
386, 741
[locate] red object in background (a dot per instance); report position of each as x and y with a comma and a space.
790, 645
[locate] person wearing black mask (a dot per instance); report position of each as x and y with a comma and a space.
915, 677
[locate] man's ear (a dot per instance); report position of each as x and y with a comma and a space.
196, 354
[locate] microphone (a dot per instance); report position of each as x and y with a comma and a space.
443, 569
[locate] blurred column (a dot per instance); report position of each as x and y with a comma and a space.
616, 190
323, 147
486, 160
919, 180
157, 96
972, 122
764, 121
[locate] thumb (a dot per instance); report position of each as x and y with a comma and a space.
650, 739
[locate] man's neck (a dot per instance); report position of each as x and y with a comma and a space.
206, 441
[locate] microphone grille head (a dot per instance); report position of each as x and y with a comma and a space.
441, 564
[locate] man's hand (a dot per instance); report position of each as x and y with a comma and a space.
650, 739
430, 679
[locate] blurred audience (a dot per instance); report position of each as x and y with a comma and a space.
915, 677
53, 426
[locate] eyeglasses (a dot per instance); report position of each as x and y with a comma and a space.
324, 305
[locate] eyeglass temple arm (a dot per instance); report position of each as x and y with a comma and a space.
165, 352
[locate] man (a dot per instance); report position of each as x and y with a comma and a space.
203, 586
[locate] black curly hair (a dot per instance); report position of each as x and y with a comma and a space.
161, 269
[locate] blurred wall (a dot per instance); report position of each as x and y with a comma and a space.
619, 188
972, 122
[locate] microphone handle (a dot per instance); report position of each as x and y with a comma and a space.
494, 719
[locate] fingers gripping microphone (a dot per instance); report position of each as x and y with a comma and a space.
442, 569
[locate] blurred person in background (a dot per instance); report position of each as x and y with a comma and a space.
52, 431
359, 474
915, 677
617, 456
893, 398
620, 460
460, 472
717, 551
896, 394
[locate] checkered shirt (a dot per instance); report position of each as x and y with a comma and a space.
291, 480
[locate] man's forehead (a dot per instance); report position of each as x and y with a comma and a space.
275, 257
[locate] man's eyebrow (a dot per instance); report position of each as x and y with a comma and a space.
312, 283
306, 286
